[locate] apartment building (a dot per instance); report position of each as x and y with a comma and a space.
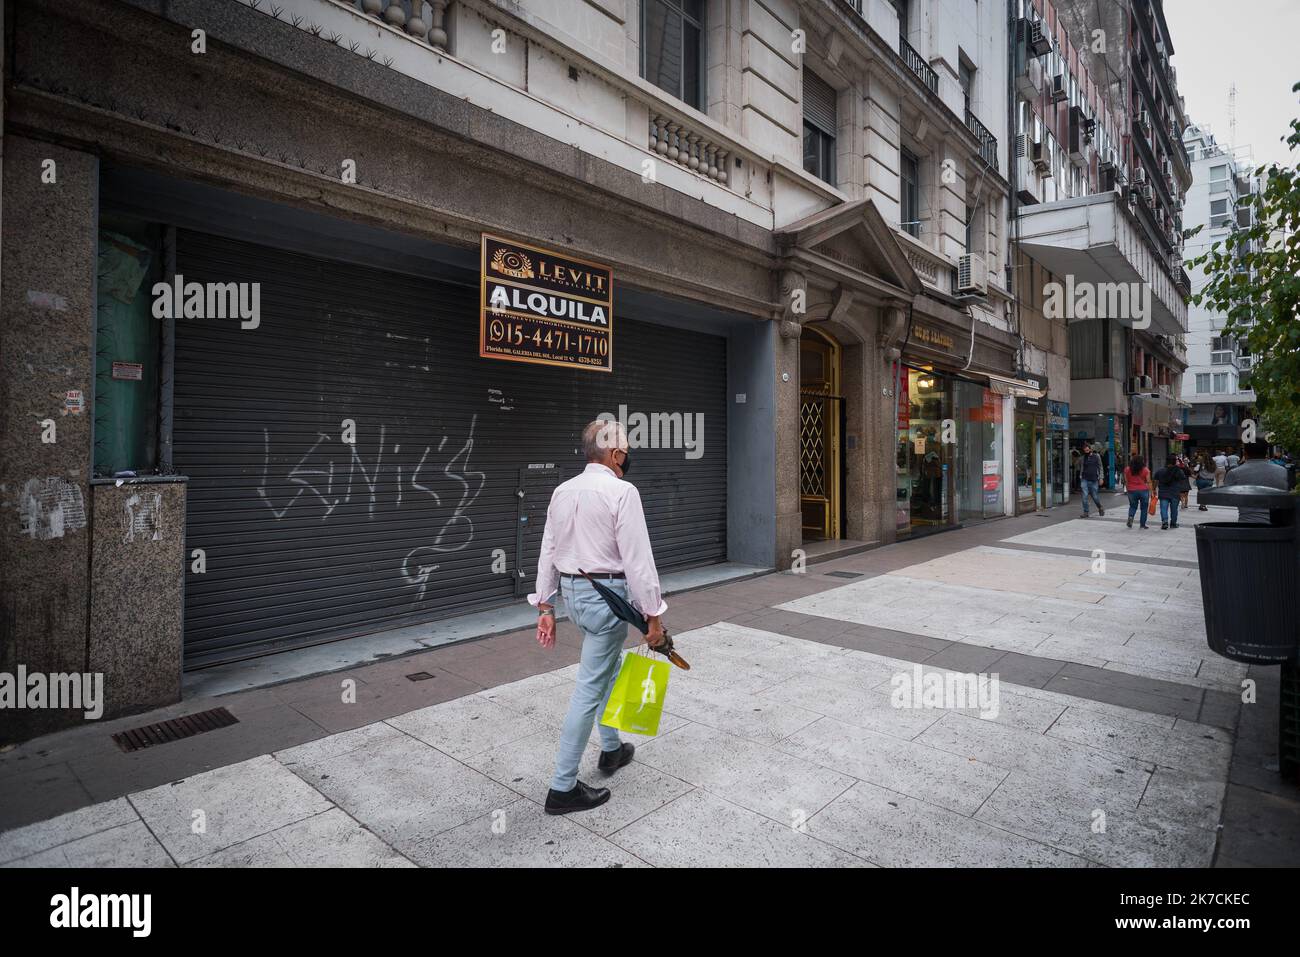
305, 302
1216, 385
1098, 191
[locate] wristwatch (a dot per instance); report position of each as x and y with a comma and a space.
545, 611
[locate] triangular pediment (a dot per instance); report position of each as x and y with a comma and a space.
854, 236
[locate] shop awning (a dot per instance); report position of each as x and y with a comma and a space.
1020, 388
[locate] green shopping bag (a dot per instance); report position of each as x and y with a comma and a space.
637, 700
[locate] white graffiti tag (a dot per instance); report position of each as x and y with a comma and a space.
317, 474
458, 531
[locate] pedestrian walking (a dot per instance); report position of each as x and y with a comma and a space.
1186, 466
1137, 483
595, 524
1204, 479
1257, 470
1089, 478
1233, 459
1171, 486
1220, 467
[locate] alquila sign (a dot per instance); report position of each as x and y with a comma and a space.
540, 306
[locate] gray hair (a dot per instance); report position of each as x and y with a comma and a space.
600, 436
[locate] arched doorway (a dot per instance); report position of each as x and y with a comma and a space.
821, 436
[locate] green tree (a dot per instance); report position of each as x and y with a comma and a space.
1253, 278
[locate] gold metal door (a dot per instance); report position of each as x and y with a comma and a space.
820, 457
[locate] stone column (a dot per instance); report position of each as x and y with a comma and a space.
47, 315
890, 327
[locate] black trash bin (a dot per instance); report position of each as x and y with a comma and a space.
1250, 586
1250, 577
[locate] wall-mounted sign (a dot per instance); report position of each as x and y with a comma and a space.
933, 337
128, 370
1058, 416
539, 306
74, 401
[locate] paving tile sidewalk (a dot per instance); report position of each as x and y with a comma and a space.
781, 746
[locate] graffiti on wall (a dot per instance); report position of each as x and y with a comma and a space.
331, 473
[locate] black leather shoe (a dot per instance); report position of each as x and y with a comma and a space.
611, 761
581, 798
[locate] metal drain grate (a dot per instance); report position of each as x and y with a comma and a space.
419, 676
146, 736
844, 574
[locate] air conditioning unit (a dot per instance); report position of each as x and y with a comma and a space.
1038, 156
1167, 167
1032, 32
1026, 182
1140, 175
1140, 383
1144, 190
972, 274
1144, 121
1059, 90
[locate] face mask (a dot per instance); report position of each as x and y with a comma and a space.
627, 462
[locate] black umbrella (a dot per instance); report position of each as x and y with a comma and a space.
624, 610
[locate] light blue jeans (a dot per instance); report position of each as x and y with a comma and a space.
602, 654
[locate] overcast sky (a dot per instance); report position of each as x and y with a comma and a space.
1252, 42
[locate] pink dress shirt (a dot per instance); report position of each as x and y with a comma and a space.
595, 523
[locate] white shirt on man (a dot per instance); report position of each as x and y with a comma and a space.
1220, 462
595, 523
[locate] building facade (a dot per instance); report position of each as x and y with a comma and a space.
305, 304
1216, 386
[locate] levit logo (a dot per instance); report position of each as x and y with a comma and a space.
661, 430
103, 910
60, 690
179, 299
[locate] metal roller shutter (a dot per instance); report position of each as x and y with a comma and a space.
307, 539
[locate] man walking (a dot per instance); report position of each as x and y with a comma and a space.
595, 523
1220, 467
1256, 470
1089, 478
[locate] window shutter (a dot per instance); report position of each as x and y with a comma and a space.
819, 102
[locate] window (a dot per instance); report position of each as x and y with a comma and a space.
671, 32
1218, 212
910, 194
818, 127
903, 25
1218, 178
1220, 382
966, 77
1202, 382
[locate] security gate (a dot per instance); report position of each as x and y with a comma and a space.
355, 465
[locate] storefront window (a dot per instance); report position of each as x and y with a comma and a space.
924, 461
979, 452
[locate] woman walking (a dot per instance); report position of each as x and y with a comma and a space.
1171, 482
1137, 482
1183, 463
1204, 480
